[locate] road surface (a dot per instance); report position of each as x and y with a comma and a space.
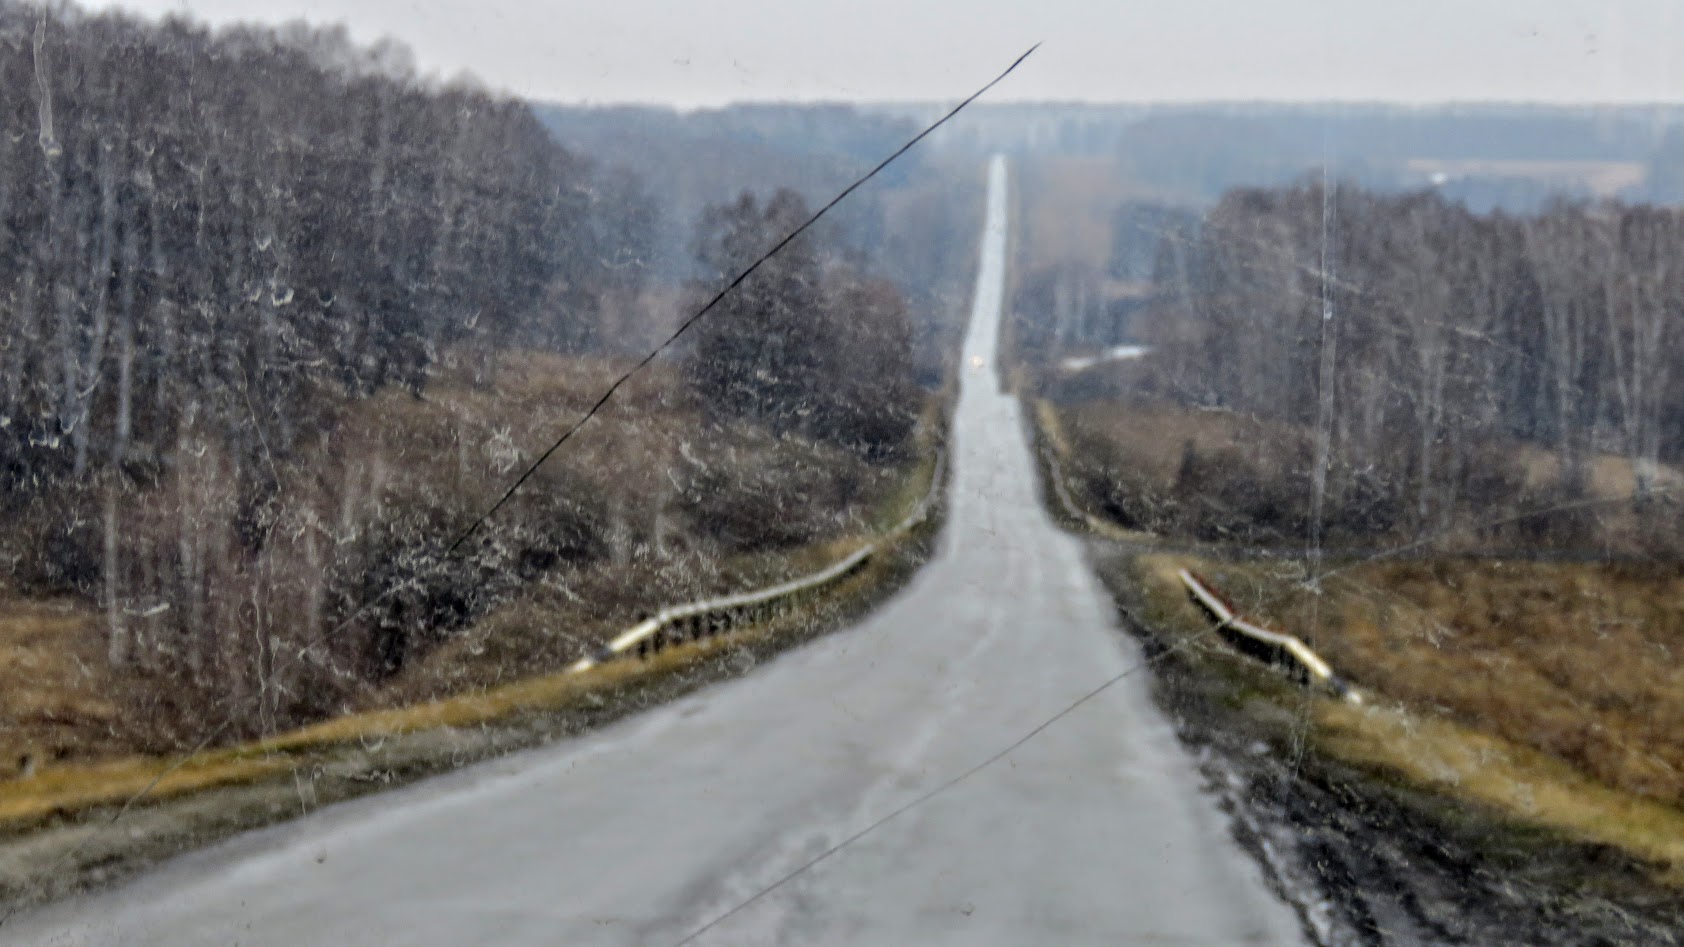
1094, 831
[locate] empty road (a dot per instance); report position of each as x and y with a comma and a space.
1094, 831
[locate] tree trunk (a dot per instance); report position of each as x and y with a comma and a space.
117, 637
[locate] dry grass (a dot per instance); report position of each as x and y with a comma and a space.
555, 691
1541, 691
1054, 439
473, 669
64, 790
1611, 476
546, 631
1502, 776
1550, 692
469, 439
1250, 483
1153, 436
454, 450
1578, 661
1606, 179
67, 789
58, 696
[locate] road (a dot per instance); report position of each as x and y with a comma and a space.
1093, 831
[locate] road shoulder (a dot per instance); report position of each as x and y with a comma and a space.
1369, 858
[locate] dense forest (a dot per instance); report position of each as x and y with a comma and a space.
1419, 362
278, 318
804, 347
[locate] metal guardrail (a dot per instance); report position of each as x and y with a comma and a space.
1271, 646
1050, 451
1095, 525
706, 618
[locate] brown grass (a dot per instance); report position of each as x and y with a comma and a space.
1249, 469
58, 696
1503, 776
52, 667
456, 448
1548, 691
66, 789
1153, 435
1577, 661
1610, 476
1050, 426
1605, 179
1463, 708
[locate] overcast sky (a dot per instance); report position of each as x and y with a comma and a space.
706, 52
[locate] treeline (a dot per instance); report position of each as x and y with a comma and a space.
274, 316
1074, 306
689, 159
223, 220
913, 225
805, 346
1429, 353
211, 247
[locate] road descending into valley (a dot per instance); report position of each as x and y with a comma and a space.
1095, 831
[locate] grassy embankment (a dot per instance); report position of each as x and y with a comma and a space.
1543, 693
67, 718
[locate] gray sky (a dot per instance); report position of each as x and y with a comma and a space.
706, 52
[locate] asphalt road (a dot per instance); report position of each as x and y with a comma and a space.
1094, 831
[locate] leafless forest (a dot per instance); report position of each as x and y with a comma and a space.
280, 318
1422, 371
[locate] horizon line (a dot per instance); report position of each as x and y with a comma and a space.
936, 103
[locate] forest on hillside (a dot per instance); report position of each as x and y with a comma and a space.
279, 318
1416, 363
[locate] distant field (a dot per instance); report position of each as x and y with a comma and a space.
1602, 178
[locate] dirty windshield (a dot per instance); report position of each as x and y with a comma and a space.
760, 473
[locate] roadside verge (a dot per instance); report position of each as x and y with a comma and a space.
59, 830
1385, 823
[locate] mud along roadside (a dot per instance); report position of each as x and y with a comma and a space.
1367, 856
